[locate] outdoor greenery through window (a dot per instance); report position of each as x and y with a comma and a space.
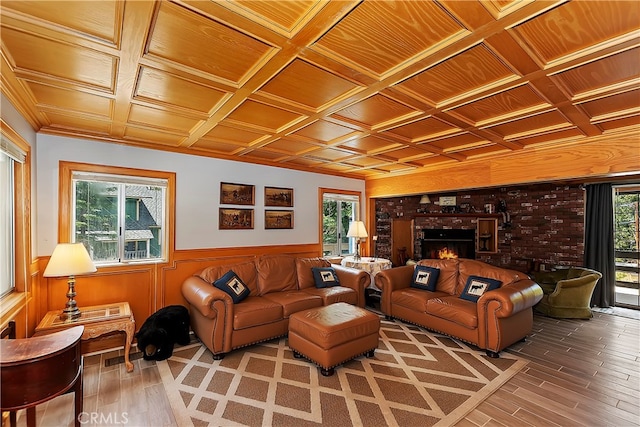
338, 210
119, 218
7, 240
627, 245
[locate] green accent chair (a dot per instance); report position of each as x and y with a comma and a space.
567, 292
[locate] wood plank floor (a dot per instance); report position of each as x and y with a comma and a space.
580, 373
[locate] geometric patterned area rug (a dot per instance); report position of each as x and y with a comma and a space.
415, 378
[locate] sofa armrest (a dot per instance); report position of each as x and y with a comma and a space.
511, 299
577, 281
505, 315
211, 312
358, 280
395, 278
391, 280
202, 296
574, 292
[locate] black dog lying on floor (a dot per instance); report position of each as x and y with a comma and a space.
163, 329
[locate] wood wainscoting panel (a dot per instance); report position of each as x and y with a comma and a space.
148, 287
132, 284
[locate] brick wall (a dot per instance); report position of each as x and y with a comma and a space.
547, 223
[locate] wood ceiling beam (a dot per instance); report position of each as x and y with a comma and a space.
136, 21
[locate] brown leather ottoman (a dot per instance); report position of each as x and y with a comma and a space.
333, 334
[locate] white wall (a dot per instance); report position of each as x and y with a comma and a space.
197, 193
14, 119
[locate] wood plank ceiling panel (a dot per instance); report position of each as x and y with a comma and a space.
99, 20
359, 89
306, 85
378, 37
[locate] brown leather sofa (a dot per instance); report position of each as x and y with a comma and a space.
499, 318
279, 286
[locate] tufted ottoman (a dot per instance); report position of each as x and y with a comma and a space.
333, 334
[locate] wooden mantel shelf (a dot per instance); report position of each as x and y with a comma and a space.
472, 214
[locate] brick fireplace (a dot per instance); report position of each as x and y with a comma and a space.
458, 242
547, 223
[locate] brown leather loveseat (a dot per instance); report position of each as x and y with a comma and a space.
498, 318
279, 285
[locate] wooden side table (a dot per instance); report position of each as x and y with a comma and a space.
368, 264
97, 320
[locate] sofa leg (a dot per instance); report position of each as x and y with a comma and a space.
370, 353
493, 354
524, 339
327, 372
388, 317
297, 355
219, 356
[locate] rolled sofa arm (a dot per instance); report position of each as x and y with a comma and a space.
512, 298
358, 280
211, 312
202, 296
574, 292
391, 280
394, 278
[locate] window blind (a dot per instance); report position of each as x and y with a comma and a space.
12, 150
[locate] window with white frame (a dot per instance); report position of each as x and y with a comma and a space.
12, 159
338, 210
7, 232
120, 218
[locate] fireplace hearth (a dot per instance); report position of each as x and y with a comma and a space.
436, 242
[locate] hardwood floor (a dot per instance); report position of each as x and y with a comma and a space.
112, 397
580, 373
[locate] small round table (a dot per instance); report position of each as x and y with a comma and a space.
370, 265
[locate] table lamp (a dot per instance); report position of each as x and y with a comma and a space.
358, 231
69, 259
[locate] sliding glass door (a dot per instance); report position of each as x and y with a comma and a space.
627, 245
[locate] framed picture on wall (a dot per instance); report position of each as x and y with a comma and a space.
235, 219
278, 196
281, 219
237, 194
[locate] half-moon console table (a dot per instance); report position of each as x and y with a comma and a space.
35, 370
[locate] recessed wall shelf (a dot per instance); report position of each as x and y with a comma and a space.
487, 236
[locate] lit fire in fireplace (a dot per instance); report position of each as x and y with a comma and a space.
446, 253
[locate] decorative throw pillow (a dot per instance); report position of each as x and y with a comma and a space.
233, 285
476, 286
425, 277
325, 277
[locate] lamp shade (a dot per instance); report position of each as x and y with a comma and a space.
69, 259
357, 229
425, 199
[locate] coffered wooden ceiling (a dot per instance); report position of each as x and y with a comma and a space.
341, 87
